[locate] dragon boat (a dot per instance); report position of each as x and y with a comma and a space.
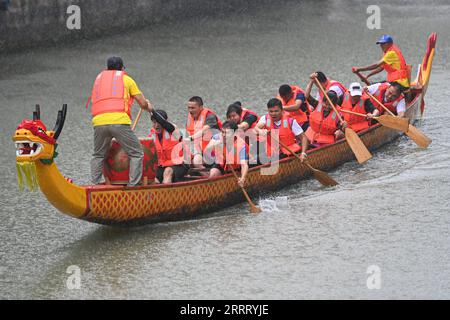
130, 206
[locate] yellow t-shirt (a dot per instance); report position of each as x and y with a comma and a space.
392, 59
130, 89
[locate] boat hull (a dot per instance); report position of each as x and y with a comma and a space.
150, 204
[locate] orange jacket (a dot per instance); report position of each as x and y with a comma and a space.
298, 115
321, 130
169, 150
108, 94
230, 156
285, 134
379, 94
245, 112
194, 126
392, 73
357, 123
333, 83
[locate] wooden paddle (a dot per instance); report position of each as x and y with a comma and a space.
253, 208
354, 141
415, 134
363, 78
401, 124
319, 175
137, 119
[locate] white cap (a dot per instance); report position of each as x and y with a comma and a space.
355, 89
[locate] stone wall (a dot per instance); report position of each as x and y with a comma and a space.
28, 23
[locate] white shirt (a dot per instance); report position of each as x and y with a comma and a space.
296, 129
334, 88
401, 105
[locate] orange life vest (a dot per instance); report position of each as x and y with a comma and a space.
298, 115
245, 112
379, 94
321, 130
330, 84
169, 150
230, 156
392, 73
357, 123
194, 126
285, 134
108, 94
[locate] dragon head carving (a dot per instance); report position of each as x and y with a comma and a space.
33, 140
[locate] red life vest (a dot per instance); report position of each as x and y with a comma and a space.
321, 130
380, 93
194, 126
230, 156
392, 73
330, 84
285, 134
357, 123
169, 150
298, 115
108, 94
246, 112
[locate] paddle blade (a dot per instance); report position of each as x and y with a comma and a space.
324, 178
419, 138
254, 209
401, 124
359, 149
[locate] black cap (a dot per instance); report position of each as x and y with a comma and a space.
115, 63
162, 113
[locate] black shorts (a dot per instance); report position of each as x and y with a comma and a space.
179, 171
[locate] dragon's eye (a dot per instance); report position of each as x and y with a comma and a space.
41, 130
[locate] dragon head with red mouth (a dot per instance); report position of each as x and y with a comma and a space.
32, 139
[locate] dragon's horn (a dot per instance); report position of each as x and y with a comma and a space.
37, 113
60, 121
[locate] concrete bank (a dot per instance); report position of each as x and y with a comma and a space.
28, 23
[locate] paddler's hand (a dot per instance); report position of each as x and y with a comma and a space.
369, 116
313, 76
303, 156
344, 125
355, 69
263, 132
241, 182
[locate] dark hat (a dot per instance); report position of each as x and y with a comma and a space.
162, 113
114, 63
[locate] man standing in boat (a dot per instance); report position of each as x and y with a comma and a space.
112, 97
294, 102
289, 131
202, 123
392, 62
356, 100
324, 126
169, 148
390, 95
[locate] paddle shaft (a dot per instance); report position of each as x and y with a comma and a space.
382, 105
328, 98
356, 113
137, 119
364, 79
250, 202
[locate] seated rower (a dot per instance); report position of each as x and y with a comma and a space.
229, 150
169, 148
201, 124
390, 95
328, 85
324, 127
355, 100
290, 132
294, 102
244, 118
